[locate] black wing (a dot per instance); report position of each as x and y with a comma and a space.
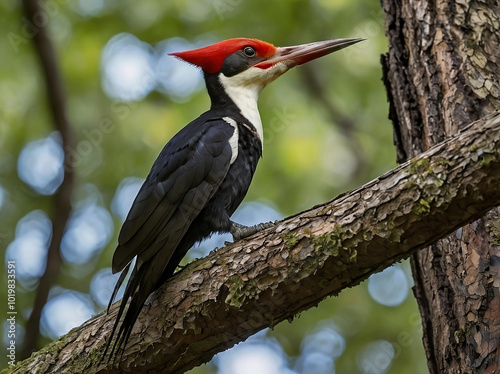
182, 180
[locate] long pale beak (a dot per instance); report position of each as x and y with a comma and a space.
300, 54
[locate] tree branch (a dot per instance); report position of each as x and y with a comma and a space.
62, 203
238, 290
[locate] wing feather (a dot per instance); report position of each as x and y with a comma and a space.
180, 183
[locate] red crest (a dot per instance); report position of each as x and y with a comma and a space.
211, 58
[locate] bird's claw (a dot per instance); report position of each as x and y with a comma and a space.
240, 231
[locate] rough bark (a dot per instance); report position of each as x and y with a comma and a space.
238, 290
441, 73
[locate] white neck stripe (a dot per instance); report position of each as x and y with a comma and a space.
233, 141
245, 97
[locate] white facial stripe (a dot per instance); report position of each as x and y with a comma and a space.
233, 141
245, 97
244, 89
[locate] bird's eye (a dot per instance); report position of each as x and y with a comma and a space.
249, 51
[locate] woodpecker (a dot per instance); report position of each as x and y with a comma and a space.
204, 171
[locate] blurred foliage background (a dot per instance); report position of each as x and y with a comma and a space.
326, 131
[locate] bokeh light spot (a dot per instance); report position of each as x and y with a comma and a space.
326, 341
88, 8
102, 285
40, 165
2, 196
19, 333
256, 355
376, 357
88, 232
177, 78
124, 197
315, 362
128, 68
390, 287
63, 312
320, 349
29, 248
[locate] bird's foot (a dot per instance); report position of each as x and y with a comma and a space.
240, 231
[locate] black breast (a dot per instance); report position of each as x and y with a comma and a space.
215, 217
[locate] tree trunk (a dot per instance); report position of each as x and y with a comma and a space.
442, 71
62, 198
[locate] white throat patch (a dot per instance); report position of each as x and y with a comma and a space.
244, 89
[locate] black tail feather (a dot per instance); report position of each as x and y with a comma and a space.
130, 310
118, 285
144, 280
